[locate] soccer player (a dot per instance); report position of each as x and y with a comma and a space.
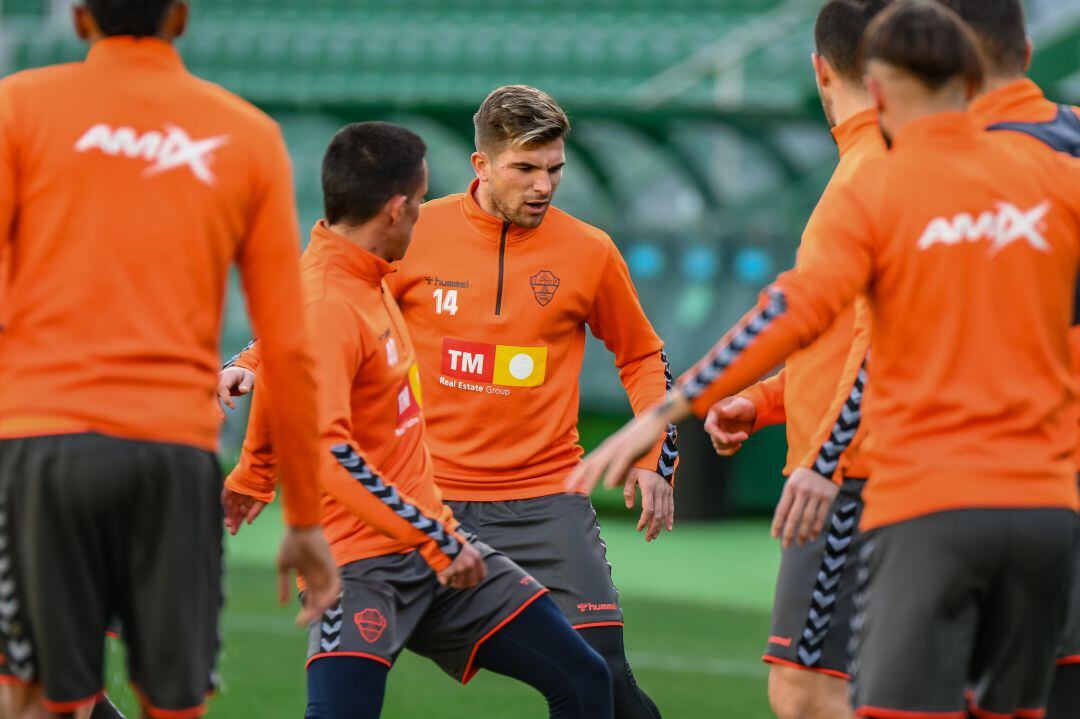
1010, 101
453, 599
497, 289
127, 188
808, 642
968, 246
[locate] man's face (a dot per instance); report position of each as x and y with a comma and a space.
522, 182
409, 214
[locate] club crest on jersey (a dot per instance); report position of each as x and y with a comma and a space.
1002, 227
544, 283
168, 150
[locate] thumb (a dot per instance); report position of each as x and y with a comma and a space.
629, 493
283, 584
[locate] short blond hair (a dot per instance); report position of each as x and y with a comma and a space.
520, 116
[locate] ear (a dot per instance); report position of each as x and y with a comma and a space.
1028, 55
481, 165
177, 20
823, 72
86, 28
878, 96
395, 207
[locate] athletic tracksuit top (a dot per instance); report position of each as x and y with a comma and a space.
127, 189
379, 491
803, 393
498, 313
967, 245
1023, 102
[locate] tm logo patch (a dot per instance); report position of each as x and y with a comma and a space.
504, 365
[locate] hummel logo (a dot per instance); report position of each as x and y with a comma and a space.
168, 150
1003, 227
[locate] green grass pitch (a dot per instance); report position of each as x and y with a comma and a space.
697, 616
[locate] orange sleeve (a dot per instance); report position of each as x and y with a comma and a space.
1074, 348
254, 475
768, 398
247, 358
842, 431
8, 177
269, 259
617, 319
799, 306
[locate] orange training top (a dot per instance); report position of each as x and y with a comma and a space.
1023, 101
369, 397
127, 189
967, 245
802, 393
499, 314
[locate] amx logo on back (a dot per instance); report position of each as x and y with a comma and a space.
168, 150
1002, 227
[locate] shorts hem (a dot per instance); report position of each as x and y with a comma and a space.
1067, 660
592, 625
770, 659
71, 706
980, 713
359, 655
155, 712
10, 681
470, 669
882, 713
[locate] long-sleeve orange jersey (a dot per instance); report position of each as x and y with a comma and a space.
369, 400
499, 315
1023, 102
967, 245
801, 394
127, 189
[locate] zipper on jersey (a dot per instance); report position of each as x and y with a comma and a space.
502, 262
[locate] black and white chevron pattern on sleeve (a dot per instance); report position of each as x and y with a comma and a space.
233, 360
843, 432
355, 465
827, 586
741, 338
669, 452
330, 631
17, 646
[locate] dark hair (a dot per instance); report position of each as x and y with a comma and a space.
141, 18
927, 40
367, 164
839, 31
999, 25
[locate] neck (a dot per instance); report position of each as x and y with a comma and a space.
996, 82
366, 236
483, 198
848, 103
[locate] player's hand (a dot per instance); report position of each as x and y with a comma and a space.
239, 508
467, 569
233, 382
730, 423
612, 460
657, 501
804, 506
306, 552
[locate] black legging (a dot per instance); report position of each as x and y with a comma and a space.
538, 648
630, 701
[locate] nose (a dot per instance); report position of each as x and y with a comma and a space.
542, 184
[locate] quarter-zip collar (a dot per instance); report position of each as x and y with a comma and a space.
345, 253
855, 130
488, 225
128, 51
1014, 102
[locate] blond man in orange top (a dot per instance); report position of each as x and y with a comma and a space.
497, 289
967, 245
808, 640
449, 597
127, 189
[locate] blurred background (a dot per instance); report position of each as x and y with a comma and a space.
698, 144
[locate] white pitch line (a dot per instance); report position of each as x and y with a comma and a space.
676, 663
